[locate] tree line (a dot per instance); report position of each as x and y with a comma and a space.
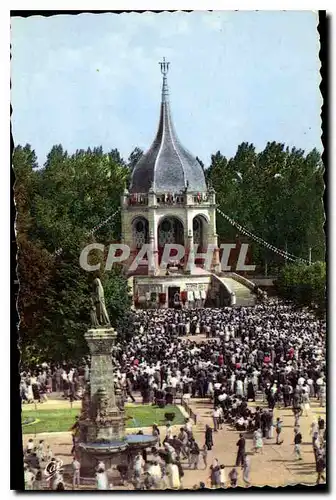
304, 285
276, 194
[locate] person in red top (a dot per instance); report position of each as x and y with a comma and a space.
221, 360
291, 353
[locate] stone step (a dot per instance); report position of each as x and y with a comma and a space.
244, 296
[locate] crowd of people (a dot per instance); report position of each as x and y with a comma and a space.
38, 382
270, 347
271, 350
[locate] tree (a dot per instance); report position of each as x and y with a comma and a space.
134, 157
24, 164
34, 270
117, 298
276, 194
58, 206
115, 157
304, 285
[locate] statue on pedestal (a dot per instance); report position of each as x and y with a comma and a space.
93, 313
98, 312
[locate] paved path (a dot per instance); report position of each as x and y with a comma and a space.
275, 467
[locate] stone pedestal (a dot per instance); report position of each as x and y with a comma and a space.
100, 342
102, 421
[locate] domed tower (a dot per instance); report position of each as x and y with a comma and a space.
168, 200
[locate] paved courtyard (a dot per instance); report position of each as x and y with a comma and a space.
276, 466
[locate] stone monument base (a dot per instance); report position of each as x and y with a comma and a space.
89, 456
102, 421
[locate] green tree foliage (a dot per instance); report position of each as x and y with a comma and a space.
134, 157
57, 206
276, 194
116, 288
305, 285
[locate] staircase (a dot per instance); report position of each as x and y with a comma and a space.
244, 296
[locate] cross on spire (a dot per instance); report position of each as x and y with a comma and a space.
164, 66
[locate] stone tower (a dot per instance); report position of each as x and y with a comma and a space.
168, 200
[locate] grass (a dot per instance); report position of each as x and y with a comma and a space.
60, 420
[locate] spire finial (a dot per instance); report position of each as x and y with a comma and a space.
164, 66
164, 70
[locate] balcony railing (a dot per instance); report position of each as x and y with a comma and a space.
171, 199
167, 199
137, 199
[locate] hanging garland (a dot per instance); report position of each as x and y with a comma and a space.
243, 230
93, 230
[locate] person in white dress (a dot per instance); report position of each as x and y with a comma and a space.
173, 476
239, 388
223, 478
29, 478
101, 480
30, 394
305, 402
155, 473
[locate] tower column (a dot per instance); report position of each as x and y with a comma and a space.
213, 238
153, 240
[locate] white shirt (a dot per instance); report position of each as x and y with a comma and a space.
76, 465
169, 432
188, 426
155, 471
171, 450
173, 381
138, 463
30, 445
222, 476
29, 478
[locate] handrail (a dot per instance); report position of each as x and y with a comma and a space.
244, 281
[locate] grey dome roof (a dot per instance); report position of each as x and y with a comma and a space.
167, 166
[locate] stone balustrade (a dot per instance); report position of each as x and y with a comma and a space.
167, 199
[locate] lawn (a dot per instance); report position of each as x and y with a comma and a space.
60, 420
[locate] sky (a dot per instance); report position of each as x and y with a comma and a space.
235, 76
